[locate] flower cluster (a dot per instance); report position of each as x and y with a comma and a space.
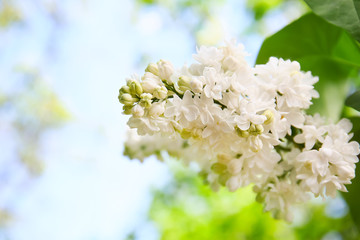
242, 125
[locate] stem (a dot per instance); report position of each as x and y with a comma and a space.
222, 105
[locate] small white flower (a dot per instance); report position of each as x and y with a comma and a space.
214, 83
137, 111
209, 56
221, 123
166, 69
284, 79
248, 115
207, 109
145, 99
310, 134
153, 68
196, 85
183, 109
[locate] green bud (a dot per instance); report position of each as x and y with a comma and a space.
204, 176
185, 134
218, 168
223, 158
256, 129
196, 133
166, 69
160, 92
145, 100
135, 88
244, 134
223, 178
127, 99
259, 198
184, 83
259, 129
252, 129
241, 133
269, 117
153, 68
124, 89
127, 109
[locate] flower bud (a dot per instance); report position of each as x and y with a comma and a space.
223, 158
233, 183
196, 69
241, 133
156, 109
259, 128
137, 111
252, 129
166, 69
196, 85
256, 144
196, 133
135, 88
185, 134
127, 109
184, 83
235, 166
145, 100
127, 99
223, 178
269, 117
346, 171
124, 89
150, 82
218, 168
160, 92
256, 129
152, 68
259, 197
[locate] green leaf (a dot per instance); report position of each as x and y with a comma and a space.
354, 100
353, 194
357, 6
322, 48
342, 13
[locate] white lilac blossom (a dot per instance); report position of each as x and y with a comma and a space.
242, 125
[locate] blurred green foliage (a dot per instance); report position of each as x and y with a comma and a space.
188, 209
9, 13
29, 108
27, 112
35, 109
260, 8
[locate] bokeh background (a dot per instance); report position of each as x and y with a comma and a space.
62, 172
